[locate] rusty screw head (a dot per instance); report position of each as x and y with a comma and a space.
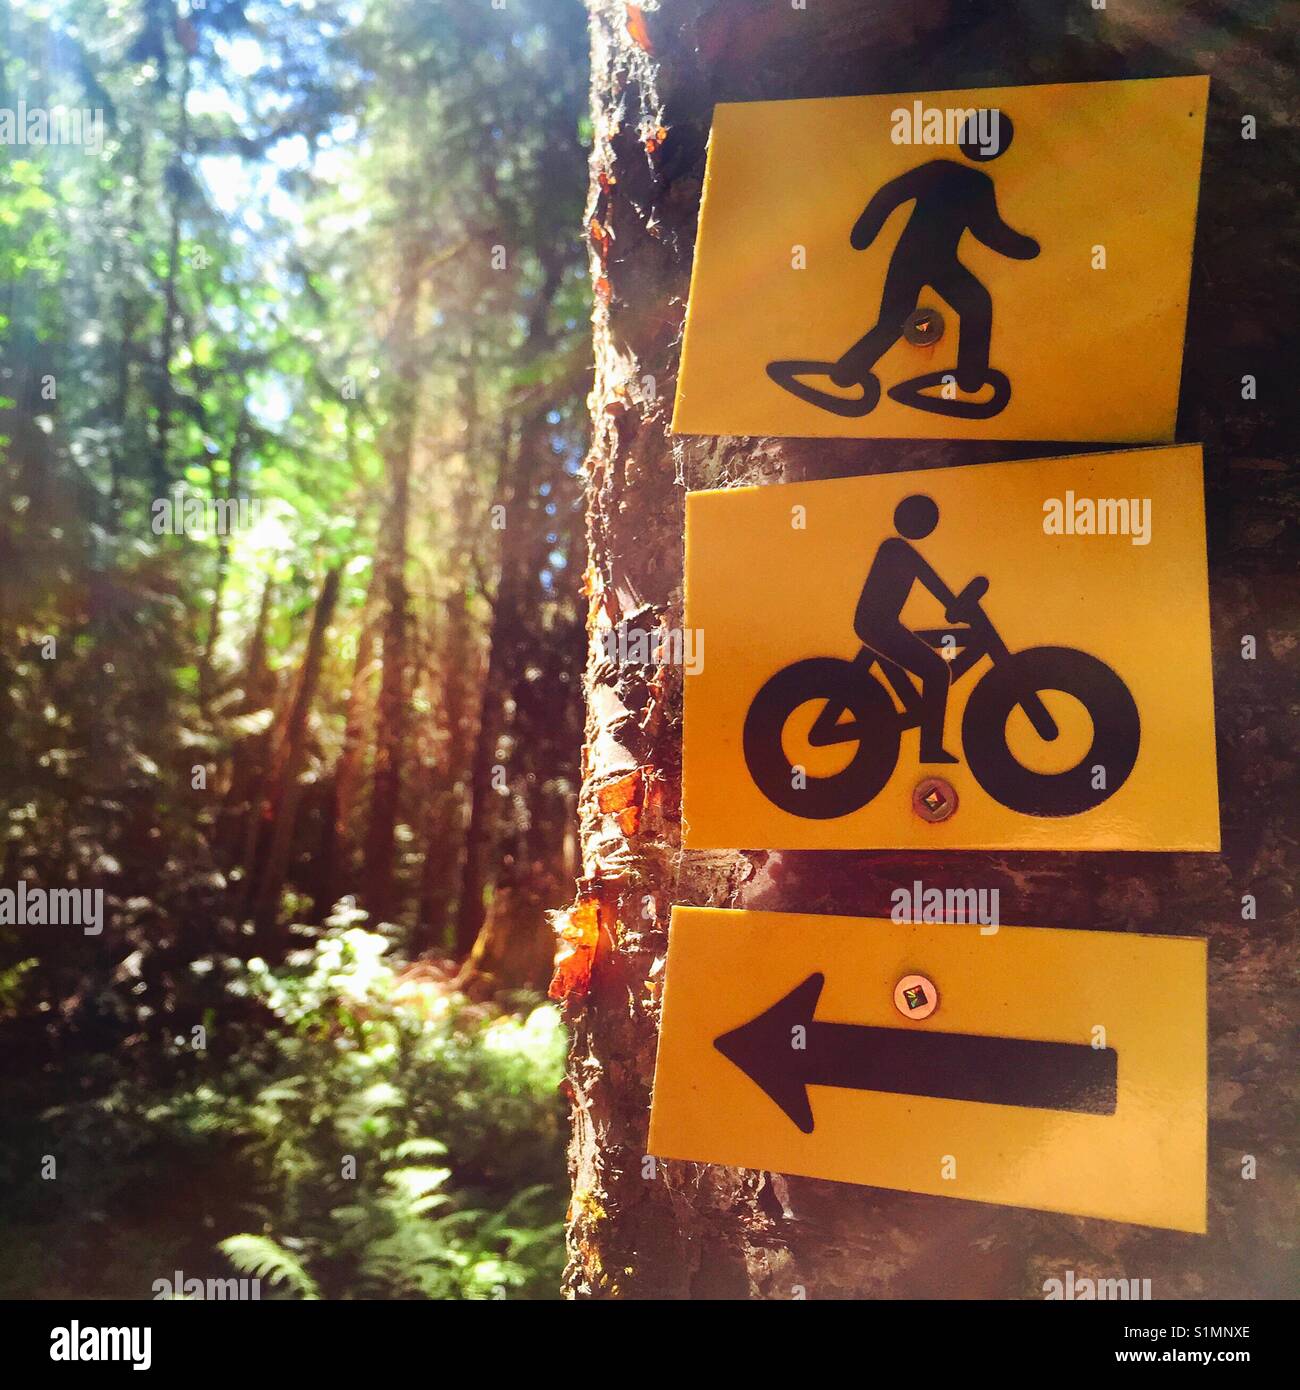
923, 327
933, 799
915, 996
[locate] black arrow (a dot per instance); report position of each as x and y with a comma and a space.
952, 1066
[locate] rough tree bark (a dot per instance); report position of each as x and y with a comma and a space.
701, 1231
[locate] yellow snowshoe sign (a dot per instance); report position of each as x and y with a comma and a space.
999, 263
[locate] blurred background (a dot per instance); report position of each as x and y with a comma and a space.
294, 353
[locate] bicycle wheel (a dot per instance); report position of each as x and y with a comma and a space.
821, 678
1116, 731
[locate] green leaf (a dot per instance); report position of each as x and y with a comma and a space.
264, 1258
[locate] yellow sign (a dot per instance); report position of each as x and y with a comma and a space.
1062, 1070
998, 263
1000, 656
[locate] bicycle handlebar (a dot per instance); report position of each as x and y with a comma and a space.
967, 598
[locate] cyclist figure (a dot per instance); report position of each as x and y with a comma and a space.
896, 567
858, 699
950, 199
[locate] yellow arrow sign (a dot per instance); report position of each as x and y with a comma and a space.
998, 263
1003, 656
1063, 1070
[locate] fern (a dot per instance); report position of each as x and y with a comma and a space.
264, 1258
331, 1115
420, 1148
417, 1182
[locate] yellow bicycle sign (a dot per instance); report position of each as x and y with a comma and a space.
865, 634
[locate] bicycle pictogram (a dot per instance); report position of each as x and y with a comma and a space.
871, 700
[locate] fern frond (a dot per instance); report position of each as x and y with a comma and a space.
417, 1182
265, 1258
420, 1148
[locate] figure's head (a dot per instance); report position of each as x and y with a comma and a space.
985, 135
915, 517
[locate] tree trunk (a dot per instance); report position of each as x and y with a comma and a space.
470, 906
456, 657
678, 1230
281, 812
235, 837
390, 737
505, 635
128, 316
176, 178
544, 731
230, 492
390, 734
337, 843
523, 461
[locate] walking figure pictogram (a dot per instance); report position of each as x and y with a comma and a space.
949, 199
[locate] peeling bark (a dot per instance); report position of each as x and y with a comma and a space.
673, 1229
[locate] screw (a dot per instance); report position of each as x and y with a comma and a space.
933, 799
923, 327
915, 996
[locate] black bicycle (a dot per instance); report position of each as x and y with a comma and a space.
858, 708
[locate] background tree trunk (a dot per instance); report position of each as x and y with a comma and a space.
336, 834
230, 492
237, 822
688, 1230
509, 641
390, 733
502, 647
285, 792
444, 813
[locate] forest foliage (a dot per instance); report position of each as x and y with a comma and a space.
292, 378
